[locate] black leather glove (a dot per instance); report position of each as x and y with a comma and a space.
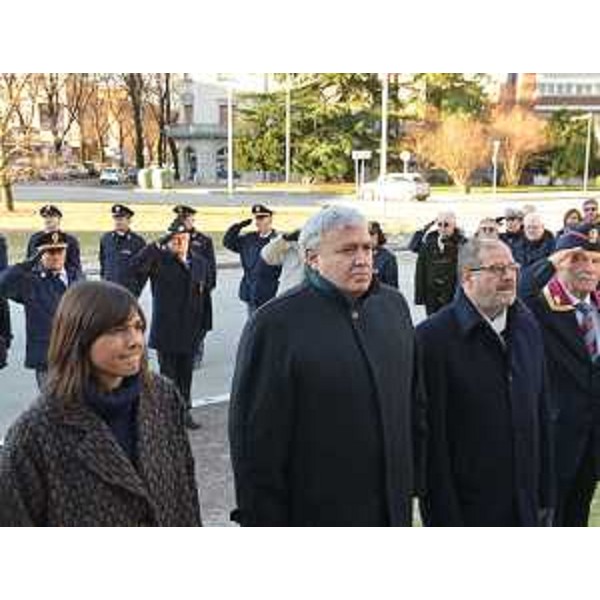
429, 225
245, 223
292, 236
165, 239
33, 260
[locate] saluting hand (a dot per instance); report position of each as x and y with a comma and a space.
565, 256
245, 223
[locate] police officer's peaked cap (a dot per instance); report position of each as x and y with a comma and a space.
260, 210
49, 210
586, 237
177, 226
53, 240
120, 210
184, 211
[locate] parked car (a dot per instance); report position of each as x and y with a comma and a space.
396, 186
111, 176
131, 175
76, 171
91, 168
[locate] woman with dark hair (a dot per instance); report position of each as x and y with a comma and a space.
571, 219
384, 262
105, 444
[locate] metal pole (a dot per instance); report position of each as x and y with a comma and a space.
588, 150
230, 139
288, 127
384, 127
356, 177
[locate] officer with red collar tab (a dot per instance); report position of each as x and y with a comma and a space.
567, 309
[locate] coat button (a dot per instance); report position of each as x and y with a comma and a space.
354, 315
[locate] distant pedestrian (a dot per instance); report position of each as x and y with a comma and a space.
571, 220
38, 284
105, 443
52, 216
260, 280
117, 248
513, 234
435, 274
488, 229
385, 265
590, 211
538, 242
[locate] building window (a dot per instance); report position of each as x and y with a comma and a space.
560, 89
223, 115
568, 89
550, 89
587, 89
188, 114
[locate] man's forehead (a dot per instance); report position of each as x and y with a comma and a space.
496, 252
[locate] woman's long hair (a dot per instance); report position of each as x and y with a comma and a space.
86, 311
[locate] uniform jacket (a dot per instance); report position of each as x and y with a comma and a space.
435, 274
514, 241
73, 261
116, 251
39, 292
489, 453
202, 248
386, 267
62, 466
178, 317
323, 408
529, 252
574, 379
259, 282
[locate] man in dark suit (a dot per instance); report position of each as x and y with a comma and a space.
568, 312
39, 284
489, 424
117, 247
52, 217
5, 329
260, 281
202, 247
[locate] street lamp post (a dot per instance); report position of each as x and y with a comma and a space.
496, 145
588, 148
384, 126
230, 138
288, 127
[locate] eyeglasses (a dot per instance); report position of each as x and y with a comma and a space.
443, 224
488, 229
590, 209
498, 270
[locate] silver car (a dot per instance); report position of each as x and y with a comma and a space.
396, 186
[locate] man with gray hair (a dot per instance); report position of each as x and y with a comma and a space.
324, 419
489, 447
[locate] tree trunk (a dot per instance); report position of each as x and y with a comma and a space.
6, 194
174, 156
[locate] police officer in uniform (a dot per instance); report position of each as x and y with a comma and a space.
38, 284
178, 278
52, 216
117, 247
259, 282
203, 248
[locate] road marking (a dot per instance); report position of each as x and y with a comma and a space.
196, 402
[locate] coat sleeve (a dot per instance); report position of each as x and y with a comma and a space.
548, 414
3, 253
22, 485
534, 278
274, 252
390, 275
419, 426
421, 277
73, 261
14, 282
260, 425
232, 239
101, 258
144, 261
439, 505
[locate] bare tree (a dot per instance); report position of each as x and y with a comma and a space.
458, 144
17, 109
63, 97
136, 84
522, 134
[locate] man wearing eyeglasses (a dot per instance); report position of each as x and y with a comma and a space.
590, 211
489, 450
568, 312
435, 274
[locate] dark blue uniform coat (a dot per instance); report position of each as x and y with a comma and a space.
386, 267
260, 281
5, 329
574, 384
116, 251
203, 249
73, 260
177, 298
39, 292
489, 451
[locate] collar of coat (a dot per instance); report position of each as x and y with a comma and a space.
317, 282
469, 318
558, 300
